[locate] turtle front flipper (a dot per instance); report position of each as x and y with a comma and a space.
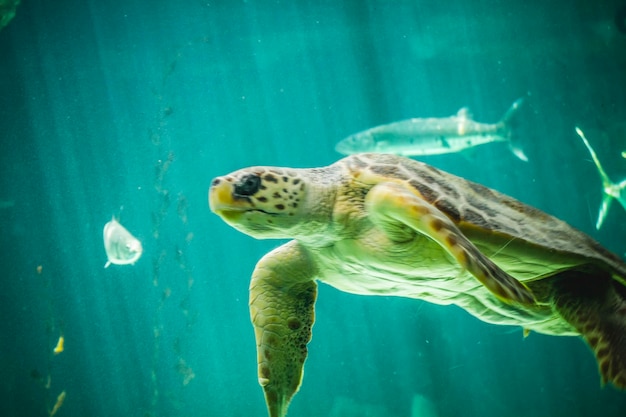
282, 301
391, 204
595, 305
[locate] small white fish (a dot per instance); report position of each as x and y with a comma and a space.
121, 247
433, 135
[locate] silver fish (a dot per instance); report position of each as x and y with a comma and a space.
433, 136
610, 190
121, 247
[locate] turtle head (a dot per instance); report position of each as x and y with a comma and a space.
263, 202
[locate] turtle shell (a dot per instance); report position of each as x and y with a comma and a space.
491, 220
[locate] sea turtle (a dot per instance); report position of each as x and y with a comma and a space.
375, 224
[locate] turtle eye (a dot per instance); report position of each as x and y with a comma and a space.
248, 185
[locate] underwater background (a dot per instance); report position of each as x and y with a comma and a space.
128, 109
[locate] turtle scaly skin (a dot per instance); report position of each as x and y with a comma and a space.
375, 224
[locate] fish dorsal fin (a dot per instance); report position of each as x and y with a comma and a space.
464, 113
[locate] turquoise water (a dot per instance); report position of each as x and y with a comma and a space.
130, 108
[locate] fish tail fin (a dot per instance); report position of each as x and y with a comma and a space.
607, 184
607, 199
508, 117
596, 161
508, 125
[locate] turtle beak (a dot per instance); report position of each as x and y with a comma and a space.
222, 201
